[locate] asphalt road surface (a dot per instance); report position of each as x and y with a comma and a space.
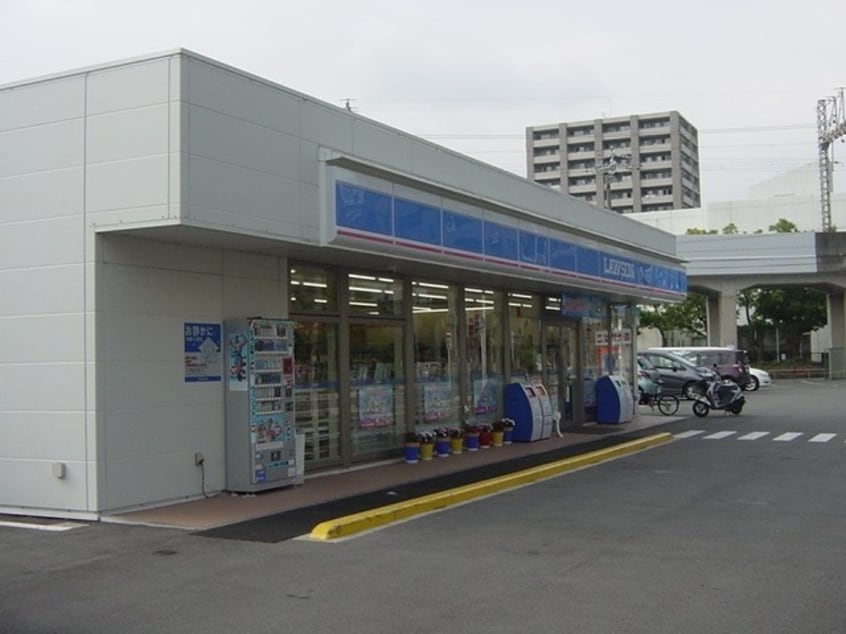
735, 526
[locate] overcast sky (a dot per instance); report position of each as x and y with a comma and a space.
472, 74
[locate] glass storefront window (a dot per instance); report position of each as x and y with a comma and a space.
435, 355
483, 310
377, 387
316, 389
525, 341
374, 295
594, 355
313, 289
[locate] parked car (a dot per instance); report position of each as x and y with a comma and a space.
730, 363
679, 375
758, 378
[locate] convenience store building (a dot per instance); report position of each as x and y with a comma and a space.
145, 202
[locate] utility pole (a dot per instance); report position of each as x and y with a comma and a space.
604, 171
831, 124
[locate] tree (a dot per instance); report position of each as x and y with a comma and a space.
784, 226
794, 311
689, 316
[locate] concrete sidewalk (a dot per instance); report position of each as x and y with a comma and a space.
225, 509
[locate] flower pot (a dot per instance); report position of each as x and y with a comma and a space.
427, 449
506, 436
485, 439
412, 452
455, 445
497, 438
471, 441
442, 447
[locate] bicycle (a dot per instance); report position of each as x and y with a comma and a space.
667, 404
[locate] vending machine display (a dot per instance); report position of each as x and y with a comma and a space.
260, 429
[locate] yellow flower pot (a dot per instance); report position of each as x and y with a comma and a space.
497, 438
427, 450
456, 445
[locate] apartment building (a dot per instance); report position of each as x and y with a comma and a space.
630, 164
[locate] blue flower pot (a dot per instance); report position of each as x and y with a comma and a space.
412, 453
442, 447
471, 442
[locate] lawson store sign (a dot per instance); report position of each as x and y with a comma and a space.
384, 217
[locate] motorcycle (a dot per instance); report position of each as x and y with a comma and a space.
719, 395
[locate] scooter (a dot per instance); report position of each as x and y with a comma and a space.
719, 395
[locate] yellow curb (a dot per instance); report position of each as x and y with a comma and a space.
366, 520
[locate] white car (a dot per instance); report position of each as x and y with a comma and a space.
758, 378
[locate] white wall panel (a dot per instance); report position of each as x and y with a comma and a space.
41, 195
128, 134
241, 96
40, 435
56, 289
244, 143
382, 145
42, 102
46, 147
42, 338
117, 249
42, 386
134, 433
147, 291
127, 184
327, 126
42, 490
129, 86
224, 194
42, 243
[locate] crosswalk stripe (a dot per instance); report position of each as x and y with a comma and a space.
822, 437
788, 436
753, 435
690, 433
719, 435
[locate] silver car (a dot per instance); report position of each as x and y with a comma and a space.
679, 375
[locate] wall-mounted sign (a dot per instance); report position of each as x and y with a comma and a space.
202, 352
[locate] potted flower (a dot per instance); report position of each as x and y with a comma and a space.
471, 437
427, 444
456, 440
442, 442
412, 447
498, 433
485, 433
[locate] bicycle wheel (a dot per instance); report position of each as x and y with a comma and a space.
668, 404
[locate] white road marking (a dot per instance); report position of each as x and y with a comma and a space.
754, 435
788, 436
63, 526
690, 434
822, 437
719, 435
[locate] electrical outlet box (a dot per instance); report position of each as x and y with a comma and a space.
199, 458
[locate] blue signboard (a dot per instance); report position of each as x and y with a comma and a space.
202, 352
361, 213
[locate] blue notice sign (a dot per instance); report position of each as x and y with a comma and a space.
202, 352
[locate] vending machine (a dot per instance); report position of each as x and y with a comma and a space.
261, 450
547, 410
